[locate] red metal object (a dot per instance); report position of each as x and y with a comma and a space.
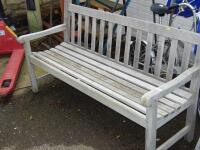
10, 46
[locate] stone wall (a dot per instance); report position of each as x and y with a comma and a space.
17, 7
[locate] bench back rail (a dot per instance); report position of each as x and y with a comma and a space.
112, 36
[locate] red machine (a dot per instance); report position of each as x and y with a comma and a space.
10, 46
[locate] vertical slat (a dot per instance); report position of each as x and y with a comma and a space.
159, 56
186, 56
86, 31
118, 42
94, 28
127, 46
73, 28
79, 28
137, 48
109, 42
101, 37
67, 20
172, 58
148, 52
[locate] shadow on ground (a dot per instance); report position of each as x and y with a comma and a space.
60, 117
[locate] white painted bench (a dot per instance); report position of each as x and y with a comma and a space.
131, 90
198, 145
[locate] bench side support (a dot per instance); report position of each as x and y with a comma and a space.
192, 110
31, 71
150, 133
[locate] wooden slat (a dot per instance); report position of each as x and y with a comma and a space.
73, 28
186, 56
148, 52
108, 82
103, 80
86, 31
111, 76
118, 43
146, 78
92, 92
79, 29
137, 48
124, 69
109, 41
122, 75
94, 28
101, 38
94, 84
159, 56
172, 58
146, 26
127, 46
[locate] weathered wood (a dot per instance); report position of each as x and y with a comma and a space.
67, 20
150, 133
137, 48
112, 77
172, 57
158, 29
87, 89
101, 38
192, 110
31, 71
118, 43
198, 145
144, 98
94, 28
86, 31
186, 56
159, 56
79, 29
37, 35
109, 41
148, 52
126, 71
127, 46
73, 23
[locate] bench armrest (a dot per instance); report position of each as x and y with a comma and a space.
159, 92
36, 35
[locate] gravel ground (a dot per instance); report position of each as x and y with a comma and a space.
60, 117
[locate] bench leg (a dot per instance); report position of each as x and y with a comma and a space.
32, 77
191, 120
150, 133
31, 71
192, 111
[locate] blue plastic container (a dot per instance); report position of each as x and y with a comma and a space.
187, 13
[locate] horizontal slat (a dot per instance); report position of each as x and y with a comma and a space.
162, 30
111, 81
111, 76
134, 74
120, 75
92, 92
105, 81
94, 84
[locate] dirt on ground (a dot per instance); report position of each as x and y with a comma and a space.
60, 117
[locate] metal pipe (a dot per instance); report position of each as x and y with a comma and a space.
194, 13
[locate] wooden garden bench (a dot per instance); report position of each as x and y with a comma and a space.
147, 98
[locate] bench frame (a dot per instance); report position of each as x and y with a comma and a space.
149, 99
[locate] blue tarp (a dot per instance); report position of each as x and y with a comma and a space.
187, 13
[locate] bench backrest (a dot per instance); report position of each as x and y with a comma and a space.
95, 31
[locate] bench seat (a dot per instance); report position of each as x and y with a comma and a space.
113, 81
